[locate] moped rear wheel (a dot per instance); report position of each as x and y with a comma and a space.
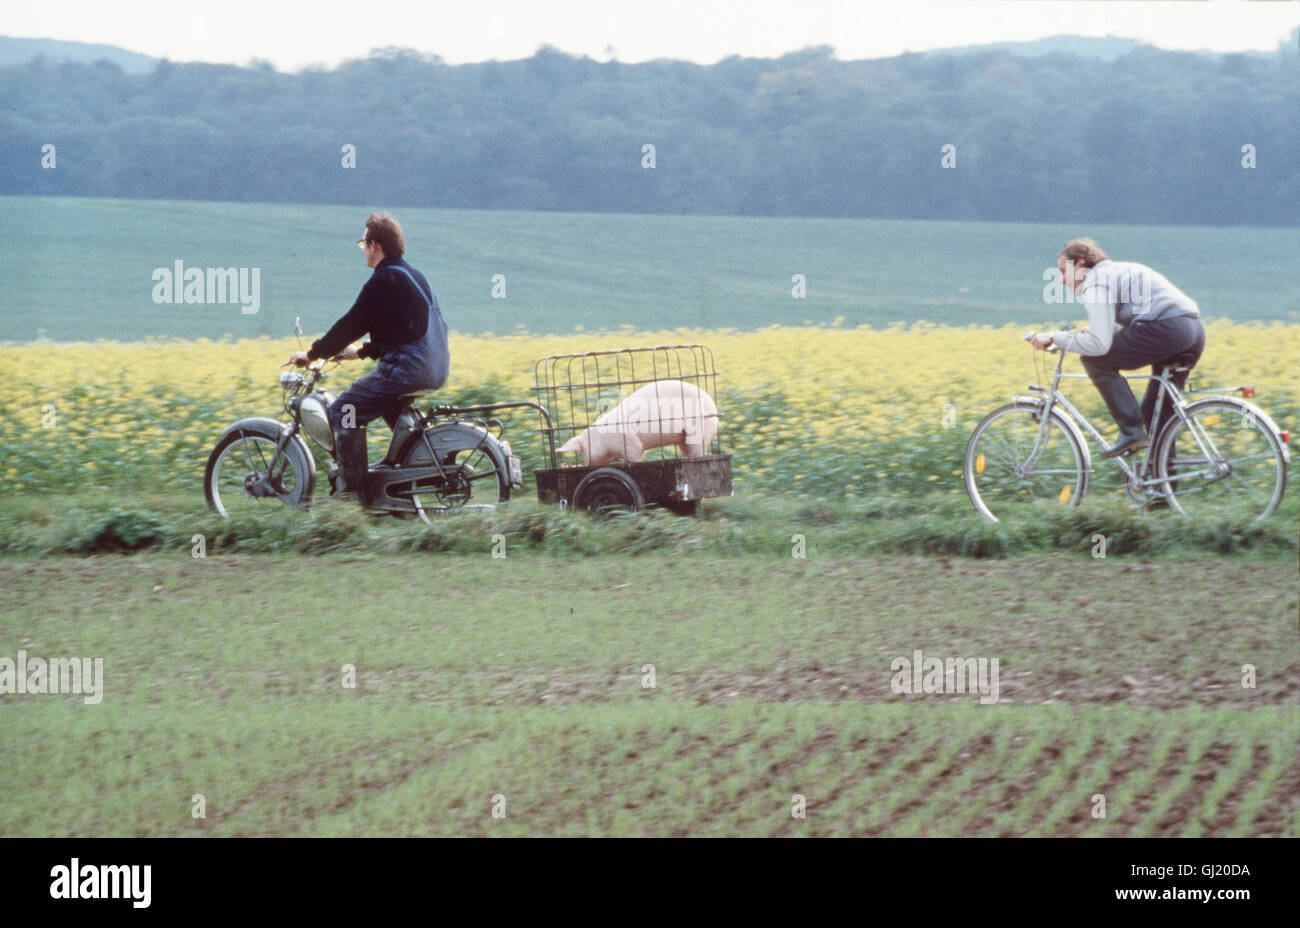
477, 476
245, 474
1007, 468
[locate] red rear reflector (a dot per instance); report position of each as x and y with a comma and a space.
1248, 391
1286, 437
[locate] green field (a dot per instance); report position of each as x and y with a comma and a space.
90, 275
524, 678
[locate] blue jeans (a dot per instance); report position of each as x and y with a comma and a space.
418, 366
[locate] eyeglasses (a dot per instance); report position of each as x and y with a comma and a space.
361, 243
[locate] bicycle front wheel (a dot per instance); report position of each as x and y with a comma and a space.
1236, 465
1013, 463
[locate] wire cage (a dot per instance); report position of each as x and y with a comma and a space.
649, 425
578, 389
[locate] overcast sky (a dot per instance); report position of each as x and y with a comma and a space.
295, 33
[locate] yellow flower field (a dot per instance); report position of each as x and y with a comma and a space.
791, 398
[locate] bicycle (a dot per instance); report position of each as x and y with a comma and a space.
1034, 449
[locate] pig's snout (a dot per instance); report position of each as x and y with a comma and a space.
573, 444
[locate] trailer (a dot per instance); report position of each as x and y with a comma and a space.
578, 389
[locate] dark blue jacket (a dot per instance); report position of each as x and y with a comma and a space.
394, 312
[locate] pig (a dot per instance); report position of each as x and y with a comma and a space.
666, 412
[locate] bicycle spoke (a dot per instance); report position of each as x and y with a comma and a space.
1250, 457
1250, 488
248, 460
243, 475
1012, 460
1245, 471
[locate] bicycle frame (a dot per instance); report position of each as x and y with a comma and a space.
1138, 477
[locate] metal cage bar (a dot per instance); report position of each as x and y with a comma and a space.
579, 388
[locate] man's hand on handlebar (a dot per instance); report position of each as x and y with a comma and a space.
1041, 340
300, 359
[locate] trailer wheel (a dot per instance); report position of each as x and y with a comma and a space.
607, 489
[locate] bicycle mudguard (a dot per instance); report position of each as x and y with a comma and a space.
1247, 409
275, 427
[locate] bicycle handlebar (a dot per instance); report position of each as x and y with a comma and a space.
1050, 349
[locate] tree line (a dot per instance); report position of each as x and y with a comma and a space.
1151, 137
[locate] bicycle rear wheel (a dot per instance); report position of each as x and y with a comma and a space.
1244, 471
1008, 469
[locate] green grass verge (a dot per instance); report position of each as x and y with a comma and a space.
98, 522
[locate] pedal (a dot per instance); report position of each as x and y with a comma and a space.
1126, 451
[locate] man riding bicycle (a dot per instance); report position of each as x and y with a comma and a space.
1135, 317
398, 309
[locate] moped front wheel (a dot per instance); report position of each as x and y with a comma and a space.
1013, 464
246, 474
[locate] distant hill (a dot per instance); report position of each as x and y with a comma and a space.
1101, 48
1107, 48
1104, 49
21, 51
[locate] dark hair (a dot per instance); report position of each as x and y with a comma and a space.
383, 230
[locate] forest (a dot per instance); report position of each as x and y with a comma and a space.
1153, 136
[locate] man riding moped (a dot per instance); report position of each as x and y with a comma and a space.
399, 311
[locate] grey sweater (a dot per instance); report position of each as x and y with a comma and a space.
1114, 294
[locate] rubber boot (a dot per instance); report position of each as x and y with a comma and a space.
354, 463
1124, 409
